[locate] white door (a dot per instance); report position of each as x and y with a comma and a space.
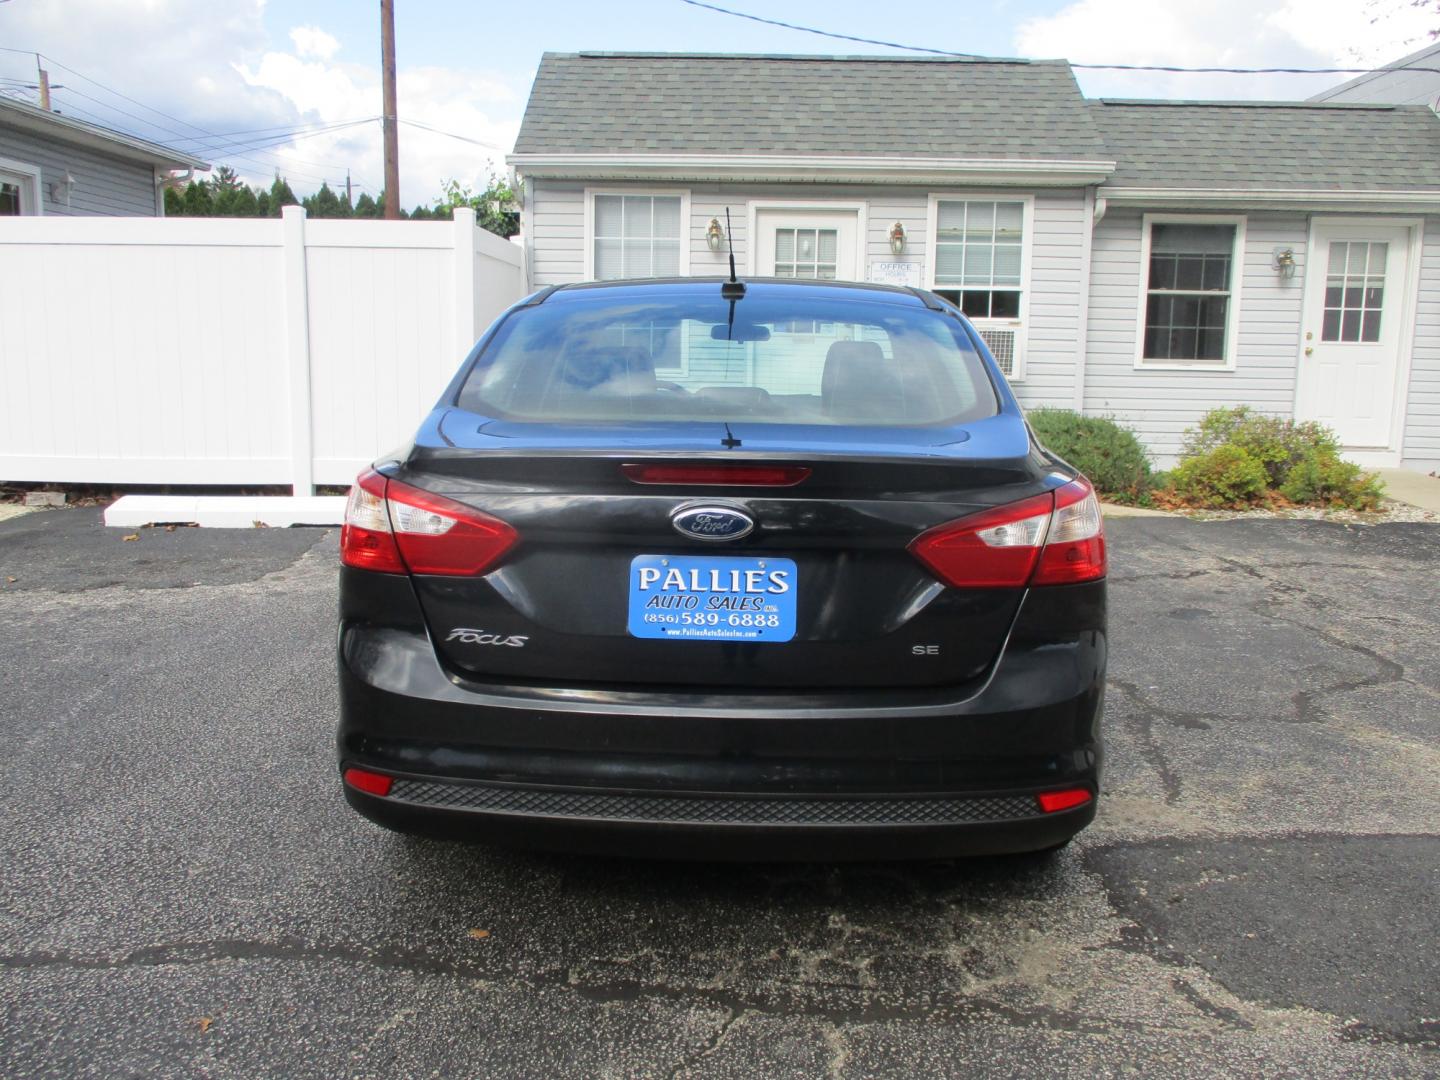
1354, 312
807, 244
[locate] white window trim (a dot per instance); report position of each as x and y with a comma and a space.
685, 223
31, 194
861, 210
1021, 326
1237, 282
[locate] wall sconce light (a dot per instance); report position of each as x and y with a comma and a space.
715, 235
1283, 262
60, 189
897, 238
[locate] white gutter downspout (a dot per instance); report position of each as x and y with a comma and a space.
165, 179
1094, 211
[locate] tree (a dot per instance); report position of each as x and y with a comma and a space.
494, 207
365, 206
197, 201
281, 195
326, 204
174, 203
228, 194
244, 203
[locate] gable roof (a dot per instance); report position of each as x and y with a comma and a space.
807, 106
67, 129
1300, 146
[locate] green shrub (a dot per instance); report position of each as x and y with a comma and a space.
1109, 456
1278, 444
1227, 477
1322, 477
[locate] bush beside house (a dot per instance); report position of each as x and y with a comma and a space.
1110, 456
1235, 458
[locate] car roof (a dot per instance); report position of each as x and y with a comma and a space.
651, 288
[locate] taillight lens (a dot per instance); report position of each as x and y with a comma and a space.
1075, 549
1051, 539
366, 541
391, 527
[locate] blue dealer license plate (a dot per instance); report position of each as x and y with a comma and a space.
712, 599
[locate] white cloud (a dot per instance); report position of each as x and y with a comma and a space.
215, 68
461, 102
1222, 33
312, 41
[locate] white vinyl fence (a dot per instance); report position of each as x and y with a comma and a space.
232, 351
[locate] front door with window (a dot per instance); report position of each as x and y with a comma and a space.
807, 244
1354, 314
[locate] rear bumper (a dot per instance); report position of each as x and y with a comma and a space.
595, 833
824, 776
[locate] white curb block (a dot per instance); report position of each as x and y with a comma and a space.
226, 511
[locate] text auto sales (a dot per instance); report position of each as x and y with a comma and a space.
726, 588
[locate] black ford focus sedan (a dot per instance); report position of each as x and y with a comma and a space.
726, 569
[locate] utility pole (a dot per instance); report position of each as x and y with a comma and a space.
44, 84
347, 187
389, 120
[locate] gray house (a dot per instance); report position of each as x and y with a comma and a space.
1411, 80
56, 164
1146, 260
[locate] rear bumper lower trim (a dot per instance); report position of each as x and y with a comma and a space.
673, 809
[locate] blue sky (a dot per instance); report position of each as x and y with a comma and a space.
218, 66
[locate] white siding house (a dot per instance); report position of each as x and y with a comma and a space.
58, 165
1146, 260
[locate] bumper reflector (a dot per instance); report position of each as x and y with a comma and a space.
1052, 802
369, 782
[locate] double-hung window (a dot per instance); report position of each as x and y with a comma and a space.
1189, 310
636, 236
19, 189
979, 267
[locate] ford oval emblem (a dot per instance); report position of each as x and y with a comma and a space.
712, 523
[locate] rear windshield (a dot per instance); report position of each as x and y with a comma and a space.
767, 358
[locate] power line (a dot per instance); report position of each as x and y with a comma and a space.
294, 135
451, 134
239, 153
150, 108
256, 131
1089, 67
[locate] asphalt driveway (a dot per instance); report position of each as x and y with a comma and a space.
183, 893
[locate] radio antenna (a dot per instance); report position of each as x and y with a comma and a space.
730, 237
733, 289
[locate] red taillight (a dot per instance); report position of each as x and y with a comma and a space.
366, 541
1049, 539
372, 783
1052, 802
993, 549
391, 527
717, 475
1075, 547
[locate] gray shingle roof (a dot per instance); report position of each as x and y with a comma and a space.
1272, 145
817, 105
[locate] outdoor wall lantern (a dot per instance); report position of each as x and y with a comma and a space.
1283, 262
60, 189
715, 235
897, 238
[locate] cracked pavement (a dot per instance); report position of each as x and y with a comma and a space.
185, 894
